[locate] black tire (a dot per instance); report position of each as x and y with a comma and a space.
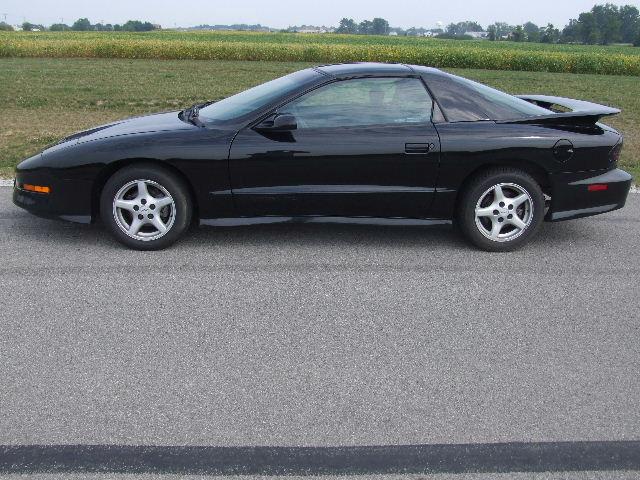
513, 183
160, 184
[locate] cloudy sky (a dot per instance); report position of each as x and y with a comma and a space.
282, 13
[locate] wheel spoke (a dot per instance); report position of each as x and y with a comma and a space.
162, 202
125, 204
517, 222
519, 200
159, 224
135, 226
496, 228
142, 189
498, 194
484, 212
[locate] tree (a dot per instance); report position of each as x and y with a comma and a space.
532, 32
550, 34
502, 29
607, 18
492, 36
629, 23
365, 27
462, 27
81, 25
103, 28
138, 26
588, 30
347, 25
637, 42
5, 27
27, 27
518, 34
571, 33
380, 26
59, 27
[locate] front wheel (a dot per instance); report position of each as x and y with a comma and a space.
145, 207
501, 209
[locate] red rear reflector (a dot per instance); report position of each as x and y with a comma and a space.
597, 187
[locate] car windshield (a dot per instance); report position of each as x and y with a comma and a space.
255, 98
502, 106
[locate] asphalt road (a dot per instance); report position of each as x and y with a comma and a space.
318, 335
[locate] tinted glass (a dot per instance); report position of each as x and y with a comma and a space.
463, 100
256, 98
366, 101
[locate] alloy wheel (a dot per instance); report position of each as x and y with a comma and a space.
144, 210
504, 212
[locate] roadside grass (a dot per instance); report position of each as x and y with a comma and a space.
42, 100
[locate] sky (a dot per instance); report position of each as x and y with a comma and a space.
283, 13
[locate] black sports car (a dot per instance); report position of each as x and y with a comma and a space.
367, 142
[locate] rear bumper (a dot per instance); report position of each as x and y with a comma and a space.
582, 194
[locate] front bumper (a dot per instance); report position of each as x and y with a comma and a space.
582, 194
68, 200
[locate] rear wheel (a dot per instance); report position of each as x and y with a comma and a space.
501, 209
145, 207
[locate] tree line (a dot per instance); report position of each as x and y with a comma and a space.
377, 26
84, 25
603, 24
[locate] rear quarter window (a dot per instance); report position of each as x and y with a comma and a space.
464, 100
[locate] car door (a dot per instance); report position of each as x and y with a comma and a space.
357, 147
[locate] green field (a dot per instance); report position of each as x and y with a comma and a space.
42, 100
327, 48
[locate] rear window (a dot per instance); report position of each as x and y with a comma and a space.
464, 100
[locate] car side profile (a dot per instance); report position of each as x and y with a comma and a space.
375, 143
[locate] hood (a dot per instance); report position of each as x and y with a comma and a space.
158, 122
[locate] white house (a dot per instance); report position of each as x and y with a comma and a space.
478, 35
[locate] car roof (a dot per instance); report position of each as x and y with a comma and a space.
367, 69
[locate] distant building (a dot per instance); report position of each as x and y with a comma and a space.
393, 34
312, 29
478, 35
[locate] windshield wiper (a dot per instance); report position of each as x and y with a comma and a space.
192, 114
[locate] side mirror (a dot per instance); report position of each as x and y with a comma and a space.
280, 122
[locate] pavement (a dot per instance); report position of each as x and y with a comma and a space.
319, 335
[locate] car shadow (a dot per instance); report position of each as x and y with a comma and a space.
441, 237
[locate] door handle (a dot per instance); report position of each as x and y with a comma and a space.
417, 147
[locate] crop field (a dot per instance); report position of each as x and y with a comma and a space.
42, 100
324, 48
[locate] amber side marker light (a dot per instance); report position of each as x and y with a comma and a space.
597, 187
35, 188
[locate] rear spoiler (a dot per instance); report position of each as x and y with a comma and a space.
580, 112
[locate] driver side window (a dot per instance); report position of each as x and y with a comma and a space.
362, 102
